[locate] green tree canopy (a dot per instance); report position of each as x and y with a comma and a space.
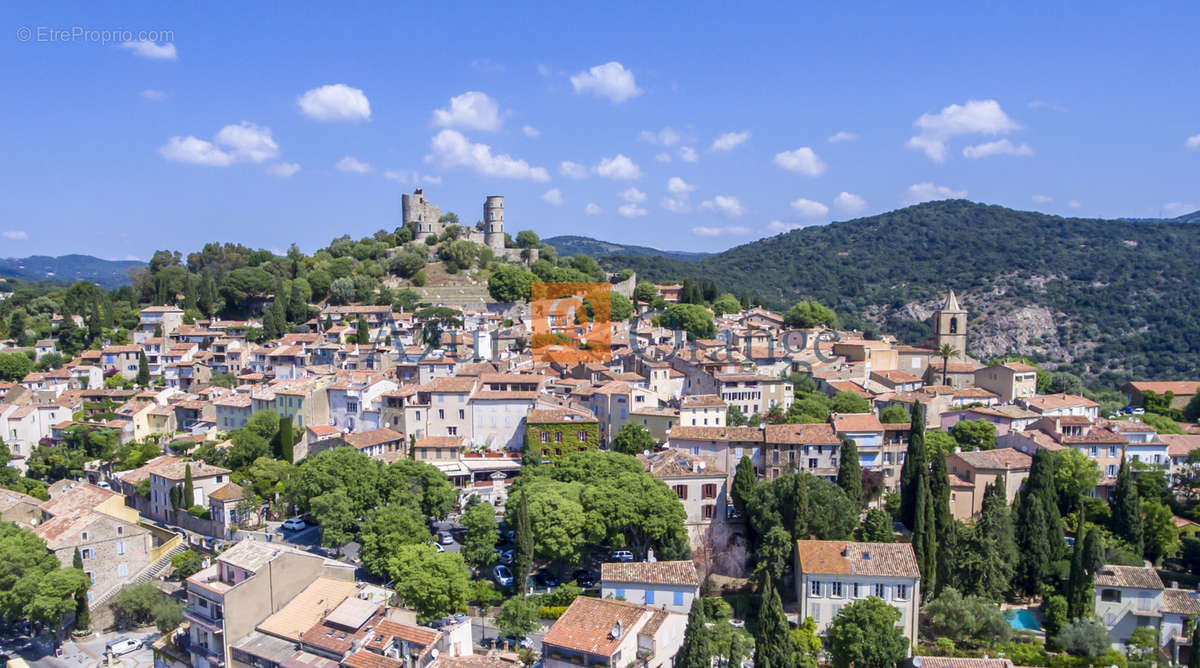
864, 634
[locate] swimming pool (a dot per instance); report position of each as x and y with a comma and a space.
1022, 619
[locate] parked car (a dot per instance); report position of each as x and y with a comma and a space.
445, 538
122, 646
585, 579
518, 641
621, 555
545, 578
502, 575
294, 524
506, 556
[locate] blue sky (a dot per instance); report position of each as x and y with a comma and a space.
693, 126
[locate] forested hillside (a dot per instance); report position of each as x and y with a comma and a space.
573, 245
1109, 298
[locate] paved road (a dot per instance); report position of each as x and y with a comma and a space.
456, 530
90, 651
486, 628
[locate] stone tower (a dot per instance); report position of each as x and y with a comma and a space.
950, 326
421, 213
493, 221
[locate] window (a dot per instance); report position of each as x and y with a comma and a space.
441, 414
121, 530
837, 590
881, 591
83, 535
1110, 595
901, 592
462, 414
678, 598
854, 590
681, 491
812, 463
582, 436
558, 437
619, 594
86, 553
707, 511
453, 431
814, 588
122, 570
121, 547
545, 437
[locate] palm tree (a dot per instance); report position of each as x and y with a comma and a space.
946, 352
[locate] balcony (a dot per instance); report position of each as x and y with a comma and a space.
210, 580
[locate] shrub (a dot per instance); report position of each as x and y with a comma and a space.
551, 612
199, 511
187, 563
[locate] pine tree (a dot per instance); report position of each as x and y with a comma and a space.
1127, 508
849, 476
914, 461
523, 554
287, 441
946, 533
189, 492
143, 374
772, 646
83, 619
695, 652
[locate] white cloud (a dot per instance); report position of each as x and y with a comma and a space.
573, 170
193, 151
553, 196
452, 149
849, 203
808, 208
707, 231
974, 117
676, 204
726, 205
688, 154
147, 49
1178, 208
472, 110
667, 136
1042, 199
803, 160
284, 169
663, 157
631, 210
782, 226
1042, 104
1193, 142
400, 176
248, 142
610, 80
432, 180
618, 168
1074, 204
15, 235
335, 102
632, 195
153, 95
593, 209
730, 140
352, 165
842, 136
1000, 147
678, 186
531, 131
926, 192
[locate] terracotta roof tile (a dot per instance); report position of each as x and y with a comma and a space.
1134, 577
652, 572
835, 557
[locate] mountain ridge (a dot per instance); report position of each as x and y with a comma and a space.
570, 244
72, 267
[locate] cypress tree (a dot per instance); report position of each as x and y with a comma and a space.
946, 531
997, 550
1127, 508
83, 619
1076, 587
772, 647
143, 374
743, 486
924, 527
1194, 656
695, 652
362, 336
523, 554
1039, 534
914, 461
189, 492
286, 440
849, 476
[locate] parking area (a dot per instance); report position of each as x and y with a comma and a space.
87, 652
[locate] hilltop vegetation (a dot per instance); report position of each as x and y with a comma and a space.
105, 273
576, 245
1102, 298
